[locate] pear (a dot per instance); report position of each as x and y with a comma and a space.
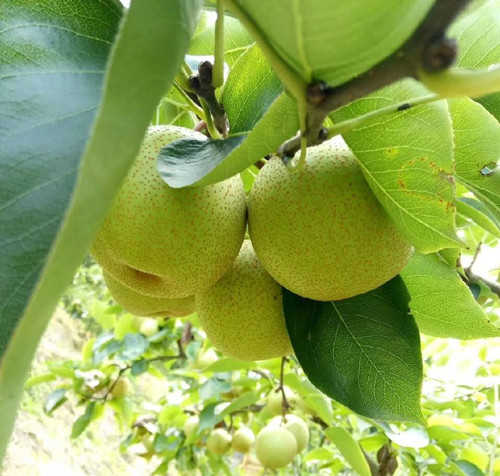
321, 232
191, 425
150, 306
242, 314
296, 426
275, 447
170, 243
243, 439
219, 441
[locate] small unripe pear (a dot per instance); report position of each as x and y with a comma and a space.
242, 314
121, 388
165, 242
275, 447
243, 439
149, 327
191, 425
296, 426
205, 359
274, 402
321, 232
219, 441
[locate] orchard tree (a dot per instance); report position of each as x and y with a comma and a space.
302, 179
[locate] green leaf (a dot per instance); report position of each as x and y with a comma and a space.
46, 120
38, 379
411, 437
350, 449
477, 150
229, 365
363, 351
208, 418
54, 400
134, 345
479, 214
188, 162
251, 88
139, 367
478, 35
213, 387
83, 422
243, 401
334, 41
236, 38
441, 302
467, 468
407, 159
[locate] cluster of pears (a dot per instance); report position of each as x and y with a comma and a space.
319, 232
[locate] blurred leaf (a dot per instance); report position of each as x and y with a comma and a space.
54, 400
441, 302
333, 341
477, 150
412, 437
213, 388
100, 312
350, 449
126, 324
373, 442
321, 405
134, 345
318, 454
468, 469
83, 422
446, 434
139, 367
240, 403
208, 419
38, 379
407, 159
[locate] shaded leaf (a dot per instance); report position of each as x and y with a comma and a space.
83, 422
441, 302
479, 214
363, 352
134, 345
407, 159
54, 400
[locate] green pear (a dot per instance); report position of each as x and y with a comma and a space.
191, 425
121, 388
275, 447
296, 426
219, 441
243, 439
321, 232
242, 313
274, 402
170, 243
142, 305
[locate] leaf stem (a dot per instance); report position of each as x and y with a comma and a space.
212, 130
190, 103
294, 83
218, 69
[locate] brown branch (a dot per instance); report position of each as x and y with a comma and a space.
476, 278
285, 405
426, 49
201, 84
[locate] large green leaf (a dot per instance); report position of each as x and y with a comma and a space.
478, 35
407, 159
53, 56
363, 351
441, 302
334, 41
477, 150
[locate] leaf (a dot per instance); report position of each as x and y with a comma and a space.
83, 422
411, 437
407, 159
134, 345
229, 365
479, 214
243, 401
188, 162
52, 62
441, 302
478, 36
54, 400
139, 367
208, 418
477, 150
38, 379
213, 387
363, 352
251, 88
334, 41
350, 449
236, 38
468, 469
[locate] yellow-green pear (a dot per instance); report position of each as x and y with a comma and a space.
121, 388
191, 425
274, 401
243, 439
242, 314
149, 327
142, 305
219, 441
275, 447
320, 232
296, 426
165, 242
